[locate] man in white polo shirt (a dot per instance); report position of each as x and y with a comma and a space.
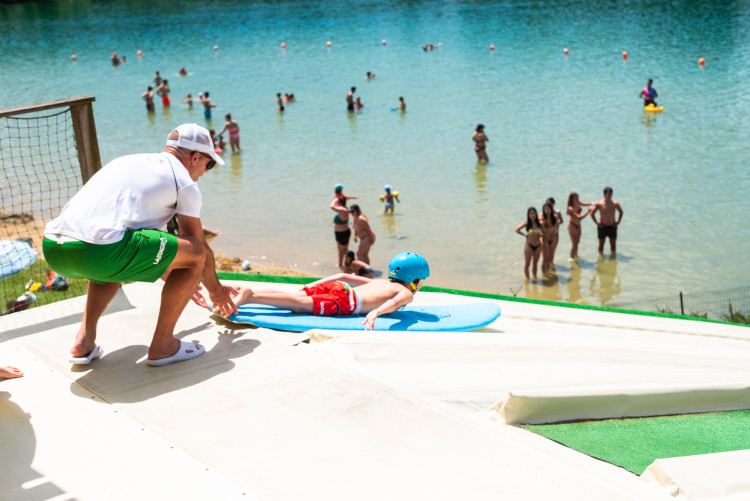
109, 233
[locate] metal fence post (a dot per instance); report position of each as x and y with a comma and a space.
682, 305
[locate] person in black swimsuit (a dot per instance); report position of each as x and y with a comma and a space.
341, 222
350, 99
480, 144
532, 249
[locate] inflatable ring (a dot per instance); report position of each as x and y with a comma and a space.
653, 109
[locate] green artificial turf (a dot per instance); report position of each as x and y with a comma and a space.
635, 443
13, 286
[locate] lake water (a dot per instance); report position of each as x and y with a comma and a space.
556, 124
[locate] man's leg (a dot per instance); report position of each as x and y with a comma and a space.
185, 272
613, 245
98, 298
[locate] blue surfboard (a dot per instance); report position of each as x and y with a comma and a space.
15, 255
457, 317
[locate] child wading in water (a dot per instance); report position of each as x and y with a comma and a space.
345, 294
388, 198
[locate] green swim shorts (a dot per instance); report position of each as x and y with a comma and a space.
141, 256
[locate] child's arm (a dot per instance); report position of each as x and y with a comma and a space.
393, 304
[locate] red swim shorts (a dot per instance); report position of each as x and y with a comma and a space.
334, 298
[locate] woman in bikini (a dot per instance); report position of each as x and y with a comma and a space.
480, 146
234, 132
341, 226
550, 225
363, 232
574, 225
532, 249
560, 221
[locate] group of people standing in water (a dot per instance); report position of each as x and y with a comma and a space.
542, 230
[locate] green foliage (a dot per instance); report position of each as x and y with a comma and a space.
666, 310
736, 317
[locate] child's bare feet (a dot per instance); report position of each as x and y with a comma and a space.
244, 295
10, 372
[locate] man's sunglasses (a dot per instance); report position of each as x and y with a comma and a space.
211, 161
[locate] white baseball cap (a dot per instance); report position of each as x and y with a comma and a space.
193, 137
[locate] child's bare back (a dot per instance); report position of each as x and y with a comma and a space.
376, 292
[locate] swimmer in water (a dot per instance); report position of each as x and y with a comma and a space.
362, 232
532, 248
574, 225
234, 132
388, 198
648, 94
280, 102
207, 105
219, 143
550, 226
148, 96
480, 144
350, 99
163, 90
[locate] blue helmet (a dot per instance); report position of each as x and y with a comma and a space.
408, 267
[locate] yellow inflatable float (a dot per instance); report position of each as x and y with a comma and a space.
653, 109
382, 197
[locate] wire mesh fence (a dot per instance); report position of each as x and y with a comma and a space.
729, 305
40, 172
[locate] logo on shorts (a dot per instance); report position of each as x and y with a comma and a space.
162, 244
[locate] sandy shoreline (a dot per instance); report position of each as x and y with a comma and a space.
234, 265
26, 226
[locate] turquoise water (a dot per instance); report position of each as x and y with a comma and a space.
556, 124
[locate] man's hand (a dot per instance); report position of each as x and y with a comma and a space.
222, 300
198, 298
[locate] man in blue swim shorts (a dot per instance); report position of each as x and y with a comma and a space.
109, 233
